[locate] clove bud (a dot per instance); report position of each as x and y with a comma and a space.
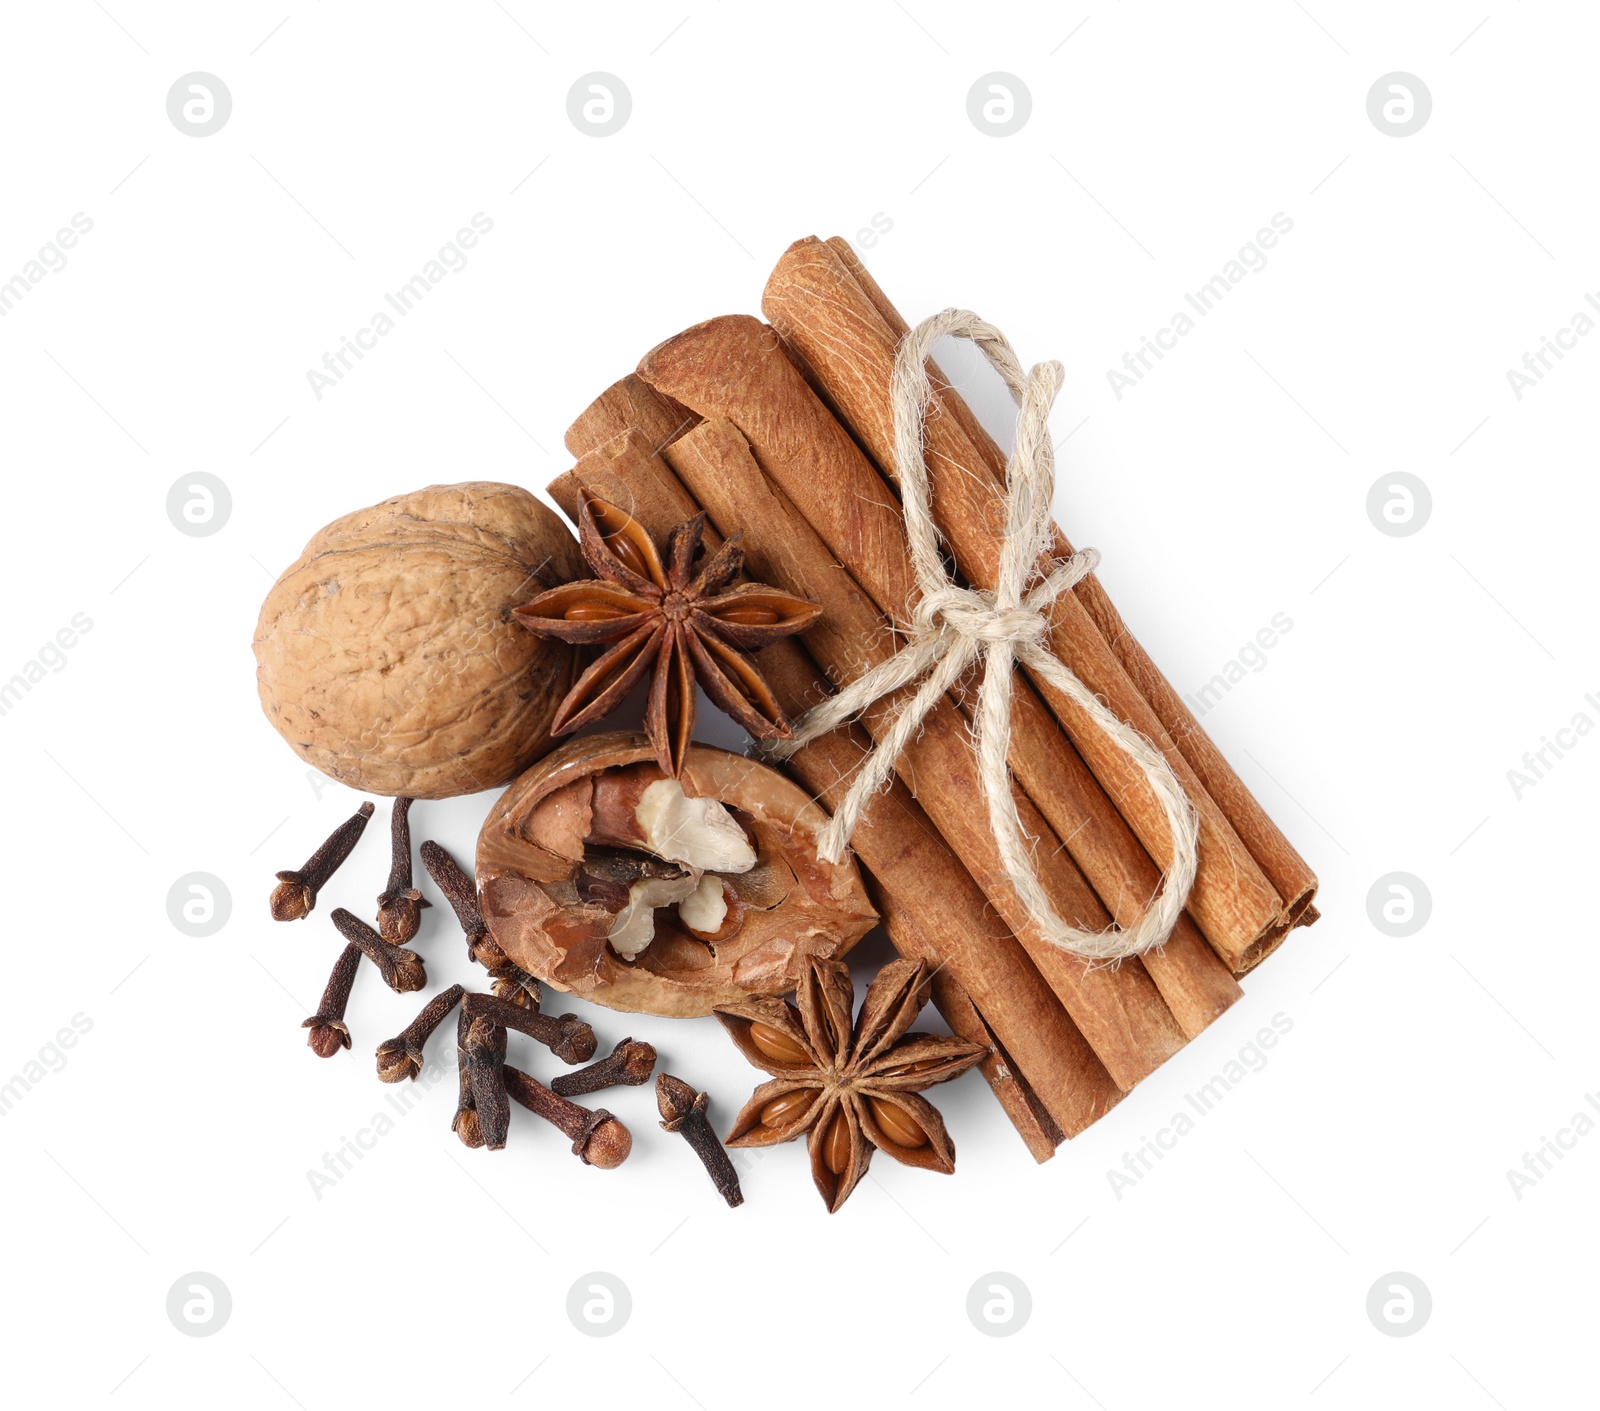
486, 1056
400, 904
296, 892
465, 1123
568, 1037
329, 1033
513, 984
683, 1110
629, 1064
401, 1057
462, 894
402, 970
598, 1139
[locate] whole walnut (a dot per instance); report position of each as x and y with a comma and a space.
386, 654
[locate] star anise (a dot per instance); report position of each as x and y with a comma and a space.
850, 1090
681, 621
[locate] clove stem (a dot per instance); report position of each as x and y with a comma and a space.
402, 970
400, 904
486, 1056
401, 1057
462, 894
683, 1110
568, 1037
598, 1139
329, 1033
296, 892
629, 1064
465, 1123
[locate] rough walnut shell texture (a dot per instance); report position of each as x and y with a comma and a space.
386, 655
802, 905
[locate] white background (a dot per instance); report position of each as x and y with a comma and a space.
1228, 486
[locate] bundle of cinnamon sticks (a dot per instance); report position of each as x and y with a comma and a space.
783, 430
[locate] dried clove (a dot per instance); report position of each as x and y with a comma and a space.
465, 1123
401, 1057
513, 984
629, 1064
628, 865
296, 892
608, 873
568, 1037
598, 1139
329, 1033
486, 1056
683, 1110
402, 970
400, 904
462, 894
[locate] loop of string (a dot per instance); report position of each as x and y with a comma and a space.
952, 627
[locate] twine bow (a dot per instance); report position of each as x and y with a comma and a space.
953, 626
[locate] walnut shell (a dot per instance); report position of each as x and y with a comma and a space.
795, 905
386, 655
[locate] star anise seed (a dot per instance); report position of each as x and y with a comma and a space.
679, 621
849, 1089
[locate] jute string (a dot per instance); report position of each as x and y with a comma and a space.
953, 626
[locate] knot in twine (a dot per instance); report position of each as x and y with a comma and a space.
953, 626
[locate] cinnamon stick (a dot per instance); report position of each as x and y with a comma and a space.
817, 306
1120, 1012
734, 368
1038, 1130
715, 462
1288, 872
930, 890
629, 402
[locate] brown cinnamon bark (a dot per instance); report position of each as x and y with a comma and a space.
1038, 1130
1288, 872
817, 306
715, 463
629, 402
1120, 1012
896, 842
921, 880
734, 368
